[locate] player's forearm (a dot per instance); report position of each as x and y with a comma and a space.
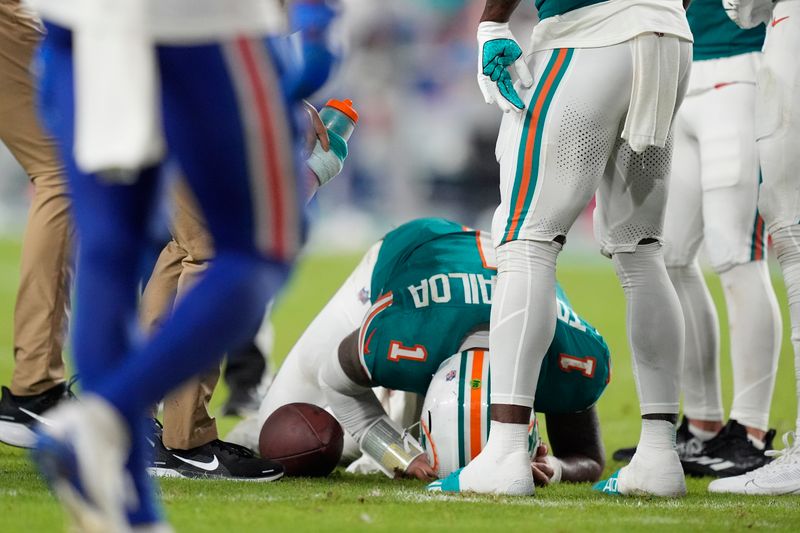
498, 10
579, 468
354, 405
576, 442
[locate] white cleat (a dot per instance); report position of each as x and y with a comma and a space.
653, 473
82, 452
781, 476
506, 475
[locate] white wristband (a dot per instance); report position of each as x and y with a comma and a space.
556, 465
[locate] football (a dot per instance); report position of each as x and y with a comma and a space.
304, 438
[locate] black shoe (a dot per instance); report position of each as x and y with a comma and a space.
683, 441
19, 414
730, 453
217, 459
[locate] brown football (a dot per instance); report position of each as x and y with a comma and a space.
304, 438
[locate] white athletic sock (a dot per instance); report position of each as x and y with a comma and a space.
755, 330
655, 328
787, 247
702, 434
503, 466
702, 394
523, 318
505, 438
656, 436
655, 467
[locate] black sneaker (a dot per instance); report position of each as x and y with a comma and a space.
730, 453
686, 443
19, 414
217, 459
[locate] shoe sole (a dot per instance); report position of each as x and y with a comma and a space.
59, 466
16, 434
175, 474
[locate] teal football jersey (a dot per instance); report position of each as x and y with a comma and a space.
432, 286
716, 35
549, 8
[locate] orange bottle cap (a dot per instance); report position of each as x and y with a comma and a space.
345, 106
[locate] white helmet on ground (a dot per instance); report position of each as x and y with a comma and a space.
454, 421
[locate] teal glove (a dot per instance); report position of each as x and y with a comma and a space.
498, 50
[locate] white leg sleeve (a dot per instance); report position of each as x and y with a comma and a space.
523, 319
787, 246
702, 395
755, 329
655, 328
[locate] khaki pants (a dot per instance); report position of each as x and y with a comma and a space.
40, 316
187, 422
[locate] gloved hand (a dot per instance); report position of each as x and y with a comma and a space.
498, 50
748, 13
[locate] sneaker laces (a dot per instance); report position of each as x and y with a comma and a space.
790, 454
232, 448
70, 384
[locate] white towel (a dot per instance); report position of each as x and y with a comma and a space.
117, 116
656, 76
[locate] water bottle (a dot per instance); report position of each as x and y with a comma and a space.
340, 119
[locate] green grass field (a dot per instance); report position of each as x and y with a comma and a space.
348, 503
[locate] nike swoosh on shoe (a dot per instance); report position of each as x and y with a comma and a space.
38, 418
208, 467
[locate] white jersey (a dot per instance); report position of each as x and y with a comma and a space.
609, 23
176, 20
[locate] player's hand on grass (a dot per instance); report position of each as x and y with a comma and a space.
497, 51
317, 130
543, 472
420, 468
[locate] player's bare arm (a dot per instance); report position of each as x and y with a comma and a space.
498, 10
348, 358
576, 444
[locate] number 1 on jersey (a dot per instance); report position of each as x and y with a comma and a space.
397, 352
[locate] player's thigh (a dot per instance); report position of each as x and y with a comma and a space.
778, 120
552, 155
683, 220
734, 231
631, 199
632, 195
230, 129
